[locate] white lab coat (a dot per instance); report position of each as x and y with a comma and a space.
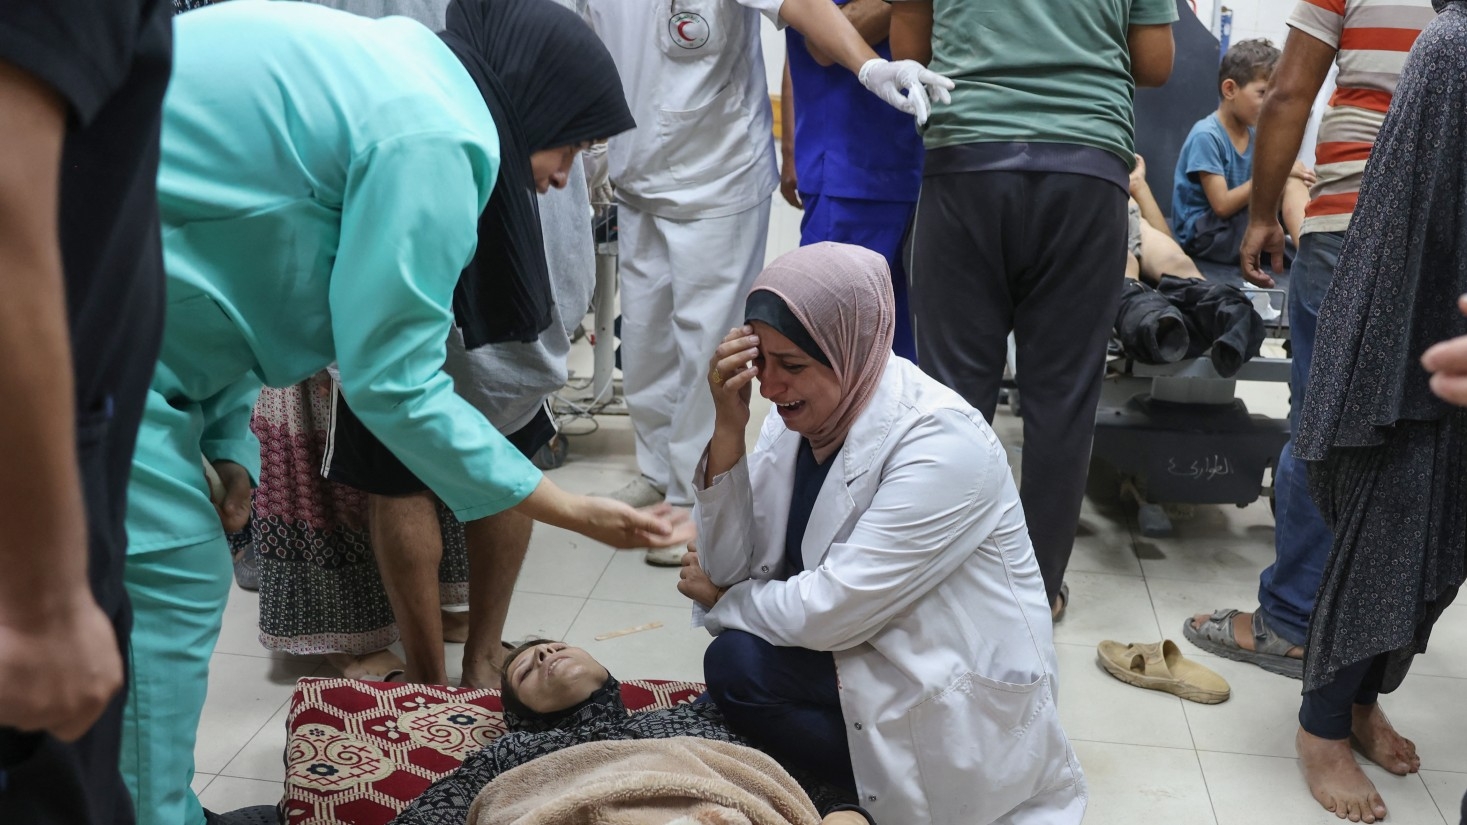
693, 72
920, 577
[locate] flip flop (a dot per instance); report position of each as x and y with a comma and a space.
1161, 666
1270, 650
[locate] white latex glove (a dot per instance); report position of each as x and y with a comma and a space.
888, 79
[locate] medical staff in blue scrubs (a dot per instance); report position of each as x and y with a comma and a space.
857, 162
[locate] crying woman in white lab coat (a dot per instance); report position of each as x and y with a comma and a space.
879, 616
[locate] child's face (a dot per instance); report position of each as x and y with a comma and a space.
1246, 101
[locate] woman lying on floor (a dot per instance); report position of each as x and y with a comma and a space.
556, 697
876, 520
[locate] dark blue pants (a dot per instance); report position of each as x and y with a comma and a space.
1326, 710
783, 699
1302, 540
880, 226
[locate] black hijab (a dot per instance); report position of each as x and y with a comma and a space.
548, 82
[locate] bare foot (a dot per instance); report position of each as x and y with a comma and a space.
484, 674
1243, 632
1336, 780
455, 626
1374, 737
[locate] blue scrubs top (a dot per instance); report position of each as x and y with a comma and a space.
849, 143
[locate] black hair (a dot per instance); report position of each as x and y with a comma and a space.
1247, 61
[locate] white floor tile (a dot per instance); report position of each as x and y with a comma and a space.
1428, 711
1104, 545
1448, 790
630, 579
562, 563
1259, 719
1248, 790
1106, 607
262, 757
228, 793
201, 781
244, 692
1444, 656
1174, 602
1218, 544
673, 651
1097, 707
1132, 784
538, 616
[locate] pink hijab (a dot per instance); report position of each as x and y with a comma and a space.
842, 295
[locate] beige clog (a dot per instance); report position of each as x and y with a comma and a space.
1161, 666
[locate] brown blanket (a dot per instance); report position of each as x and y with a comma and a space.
682, 781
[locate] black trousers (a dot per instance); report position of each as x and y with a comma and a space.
1041, 254
1326, 711
44, 781
786, 700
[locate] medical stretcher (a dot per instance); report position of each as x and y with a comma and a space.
1178, 434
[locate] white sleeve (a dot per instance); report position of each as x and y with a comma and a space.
768, 8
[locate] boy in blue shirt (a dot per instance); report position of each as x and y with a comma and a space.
1213, 179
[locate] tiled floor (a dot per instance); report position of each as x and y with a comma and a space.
1150, 758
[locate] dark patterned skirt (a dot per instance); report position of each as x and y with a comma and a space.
320, 591
1388, 459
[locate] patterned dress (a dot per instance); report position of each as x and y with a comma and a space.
1388, 458
320, 591
601, 718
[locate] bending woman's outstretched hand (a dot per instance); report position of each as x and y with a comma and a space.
607, 520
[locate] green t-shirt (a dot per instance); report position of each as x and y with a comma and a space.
1042, 71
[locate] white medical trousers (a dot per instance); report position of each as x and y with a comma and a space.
683, 285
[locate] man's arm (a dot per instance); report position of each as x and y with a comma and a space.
789, 182
59, 662
827, 30
871, 19
911, 31
1301, 72
1152, 50
904, 85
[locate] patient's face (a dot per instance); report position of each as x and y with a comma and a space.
555, 676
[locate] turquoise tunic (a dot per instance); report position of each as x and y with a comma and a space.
321, 181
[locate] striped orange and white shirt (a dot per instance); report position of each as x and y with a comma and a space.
1373, 38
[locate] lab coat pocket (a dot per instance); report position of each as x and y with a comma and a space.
699, 29
984, 747
701, 145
